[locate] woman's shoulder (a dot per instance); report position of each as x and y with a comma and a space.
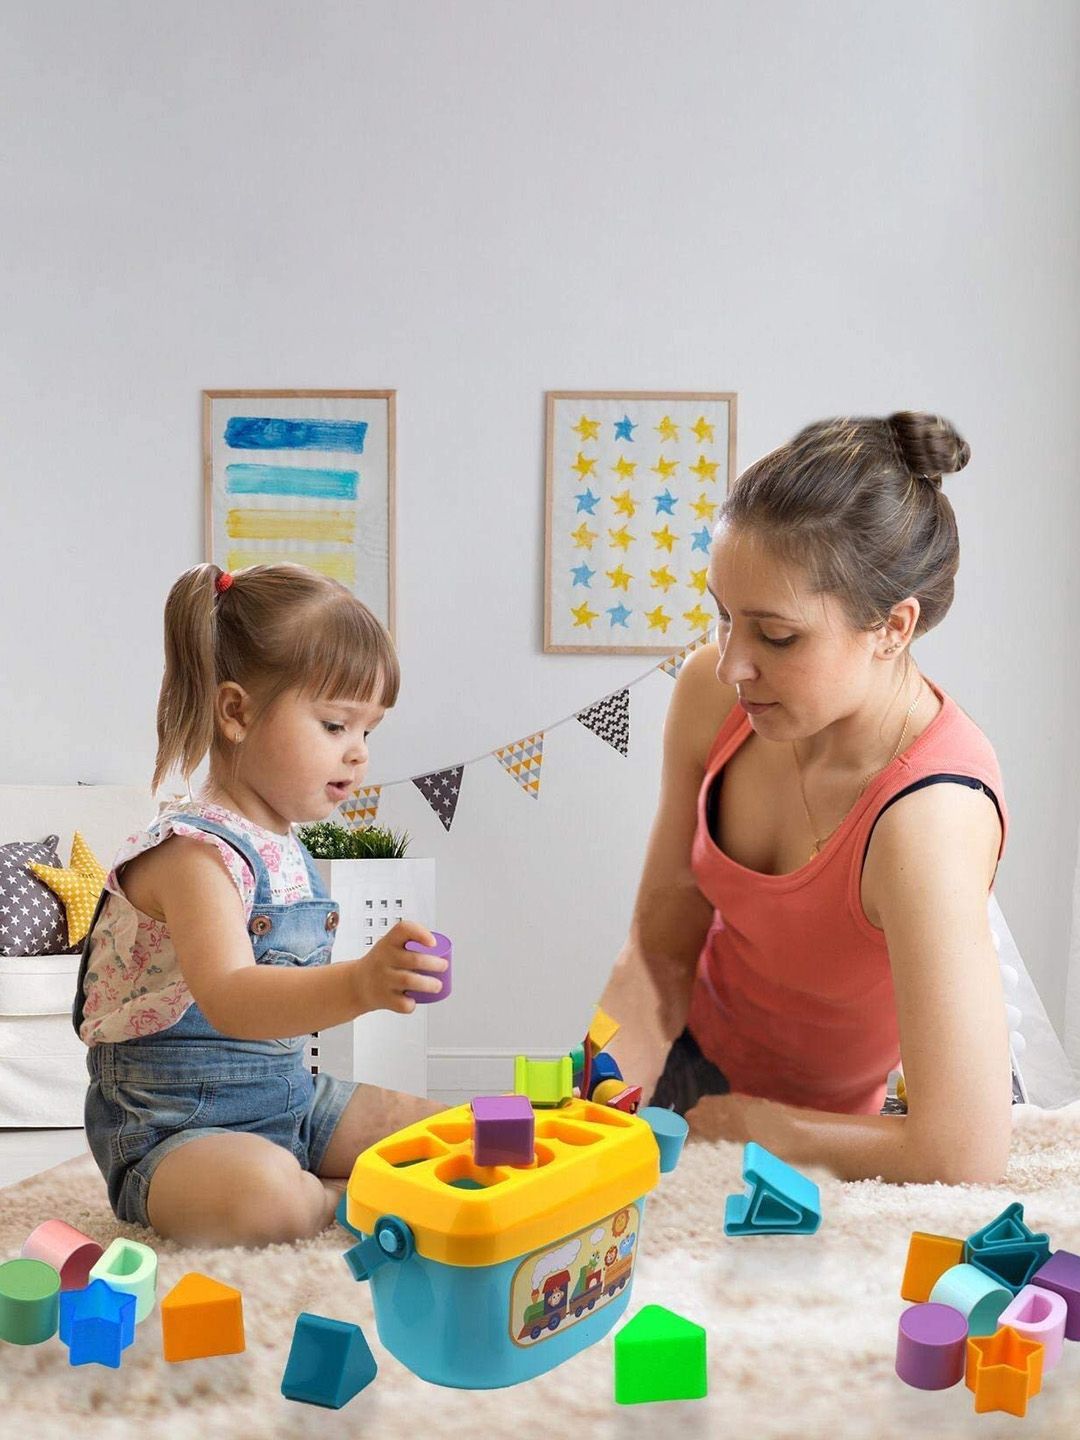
700, 706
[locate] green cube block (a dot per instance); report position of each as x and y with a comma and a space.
660, 1356
545, 1082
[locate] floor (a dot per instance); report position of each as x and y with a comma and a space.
25, 1152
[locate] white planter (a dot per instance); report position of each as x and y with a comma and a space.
43, 1075
381, 1048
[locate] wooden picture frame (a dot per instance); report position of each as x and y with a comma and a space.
336, 513
665, 574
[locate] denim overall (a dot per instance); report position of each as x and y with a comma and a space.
151, 1094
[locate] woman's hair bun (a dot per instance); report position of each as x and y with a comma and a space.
928, 445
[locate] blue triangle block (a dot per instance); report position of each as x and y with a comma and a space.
780, 1199
329, 1362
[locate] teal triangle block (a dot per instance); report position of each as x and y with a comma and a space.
780, 1199
329, 1362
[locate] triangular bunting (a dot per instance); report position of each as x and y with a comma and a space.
674, 663
610, 719
441, 790
362, 806
522, 759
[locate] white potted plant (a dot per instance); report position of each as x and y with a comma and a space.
365, 869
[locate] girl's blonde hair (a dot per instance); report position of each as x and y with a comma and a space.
857, 503
276, 628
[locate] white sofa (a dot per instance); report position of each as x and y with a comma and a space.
43, 1062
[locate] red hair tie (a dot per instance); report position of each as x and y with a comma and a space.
223, 582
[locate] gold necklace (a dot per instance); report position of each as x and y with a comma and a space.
818, 843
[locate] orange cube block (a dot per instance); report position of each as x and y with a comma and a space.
199, 1317
928, 1257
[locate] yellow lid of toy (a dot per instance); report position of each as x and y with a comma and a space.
589, 1161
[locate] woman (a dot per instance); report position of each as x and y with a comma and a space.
814, 898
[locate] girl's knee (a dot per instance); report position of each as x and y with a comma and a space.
280, 1203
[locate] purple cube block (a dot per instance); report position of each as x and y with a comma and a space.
504, 1130
1062, 1273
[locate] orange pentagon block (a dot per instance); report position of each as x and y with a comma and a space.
200, 1317
928, 1257
1004, 1370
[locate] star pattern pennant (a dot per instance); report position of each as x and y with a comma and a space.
522, 759
441, 789
674, 663
362, 806
610, 719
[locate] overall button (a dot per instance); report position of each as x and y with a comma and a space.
333, 920
261, 924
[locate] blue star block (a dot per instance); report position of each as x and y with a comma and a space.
624, 427
330, 1361
619, 614
97, 1323
586, 501
665, 503
701, 539
582, 575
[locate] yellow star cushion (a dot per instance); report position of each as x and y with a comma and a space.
78, 886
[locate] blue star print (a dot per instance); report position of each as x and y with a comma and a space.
701, 539
586, 501
624, 427
665, 503
582, 575
619, 614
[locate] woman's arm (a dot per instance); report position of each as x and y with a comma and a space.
648, 992
931, 863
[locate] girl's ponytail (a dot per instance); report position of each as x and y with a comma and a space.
185, 712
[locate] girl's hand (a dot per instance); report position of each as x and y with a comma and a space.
384, 974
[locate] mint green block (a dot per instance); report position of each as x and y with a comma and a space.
29, 1301
545, 1082
131, 1269
660, 1356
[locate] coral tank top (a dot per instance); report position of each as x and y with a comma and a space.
793, 998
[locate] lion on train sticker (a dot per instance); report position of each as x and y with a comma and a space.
556, 1287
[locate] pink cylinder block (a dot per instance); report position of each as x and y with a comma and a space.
1039, 1314
66, 1249
931, 1346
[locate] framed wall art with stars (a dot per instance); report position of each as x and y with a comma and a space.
635, 481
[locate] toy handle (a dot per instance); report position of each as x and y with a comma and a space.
392, 1240
669, 1130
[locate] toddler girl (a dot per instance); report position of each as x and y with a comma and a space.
206, 964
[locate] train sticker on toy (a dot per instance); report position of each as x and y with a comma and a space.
559, 1285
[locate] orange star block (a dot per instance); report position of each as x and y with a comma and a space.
1004, 1370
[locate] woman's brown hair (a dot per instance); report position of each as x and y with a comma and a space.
275, 628
857, 504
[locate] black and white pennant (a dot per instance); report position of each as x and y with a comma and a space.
441, 790
610, 719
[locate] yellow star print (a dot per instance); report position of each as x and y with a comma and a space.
703, 507
623, 467
668, 430
698, 580
665, 468
619, 577
584, 466
664, 538
703, 430
583, 615
657, 619
583, 537
587, 429
621, 538
700, 619
705, 469
79, 886
623, 504
662, 579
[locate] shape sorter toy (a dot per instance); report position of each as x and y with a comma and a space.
483, 1276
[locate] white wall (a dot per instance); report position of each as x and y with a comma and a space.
839, 208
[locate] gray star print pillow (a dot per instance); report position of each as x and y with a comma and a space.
32, 919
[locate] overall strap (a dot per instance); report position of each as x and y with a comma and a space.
239, 843
318, 890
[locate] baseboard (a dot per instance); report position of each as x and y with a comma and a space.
455, 1075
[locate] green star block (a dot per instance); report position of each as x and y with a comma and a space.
660, 1356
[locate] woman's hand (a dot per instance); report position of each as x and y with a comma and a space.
384, 974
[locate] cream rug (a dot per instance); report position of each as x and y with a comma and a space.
802, 1330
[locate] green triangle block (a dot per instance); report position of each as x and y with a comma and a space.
660, 1356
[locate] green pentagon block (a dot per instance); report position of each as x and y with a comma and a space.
660, 1356
545, 1082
